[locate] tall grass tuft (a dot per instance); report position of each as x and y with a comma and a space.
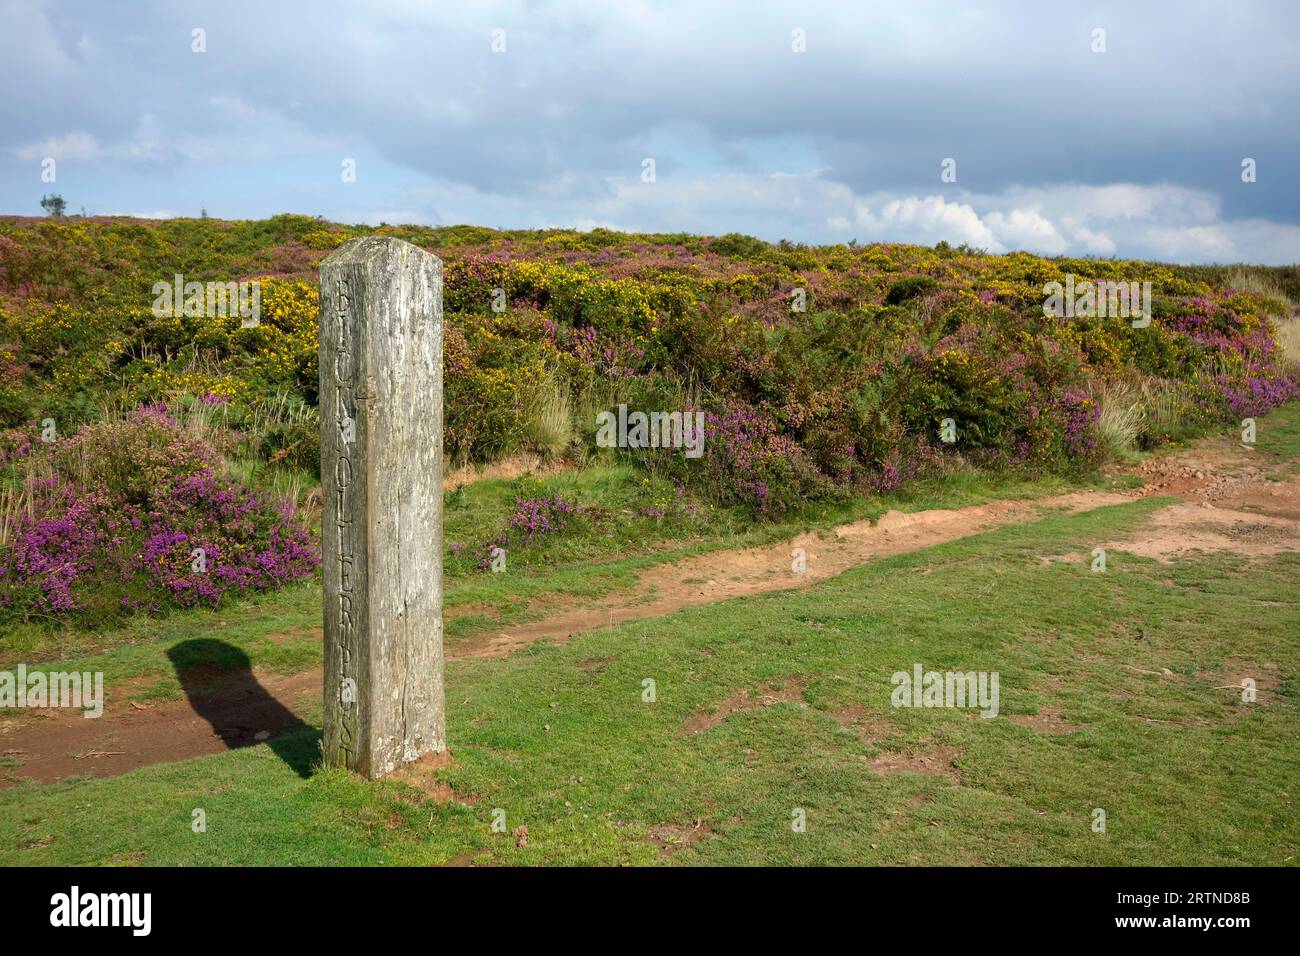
1255, 282
1287, 333
1137, 414
17, 498
548, 421
1281, 306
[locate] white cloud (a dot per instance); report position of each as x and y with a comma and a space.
71, 146
1160, 222
1097, 243
1191, 243
918, 219
1026, 229
152, 214
145, 142
393, 217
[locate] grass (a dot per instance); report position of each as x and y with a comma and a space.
1277, 440
1288, 337
1139, 413
548, 425
279, 631
1281, 306
560, 739
587, 562
1260, 282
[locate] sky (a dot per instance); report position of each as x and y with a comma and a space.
1106, 129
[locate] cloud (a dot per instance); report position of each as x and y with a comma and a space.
150, 214
146, 142
1136, 151
1195, 243
921, 219
1093, 242
1160, 221
1025, 229
70, 146
391, 217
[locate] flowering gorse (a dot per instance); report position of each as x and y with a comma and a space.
826, 369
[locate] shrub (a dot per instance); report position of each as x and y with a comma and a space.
746, 461
135, 515
806, 404
133, 459
912, 287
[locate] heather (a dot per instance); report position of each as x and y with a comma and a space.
824, 372
135, 514
535, 517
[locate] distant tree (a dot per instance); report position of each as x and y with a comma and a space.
54, 205
203, 213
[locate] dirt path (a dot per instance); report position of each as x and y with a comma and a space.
1228, 504
719, 576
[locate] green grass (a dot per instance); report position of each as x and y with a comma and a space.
1277, 440
277, 631
560, 738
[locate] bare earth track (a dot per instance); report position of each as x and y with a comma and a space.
1227, 504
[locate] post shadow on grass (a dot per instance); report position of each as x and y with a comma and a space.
217, 677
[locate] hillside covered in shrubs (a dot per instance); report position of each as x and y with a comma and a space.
822, 373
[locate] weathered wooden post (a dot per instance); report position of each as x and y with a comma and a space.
381, 471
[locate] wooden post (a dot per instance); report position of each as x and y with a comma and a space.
381, 472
